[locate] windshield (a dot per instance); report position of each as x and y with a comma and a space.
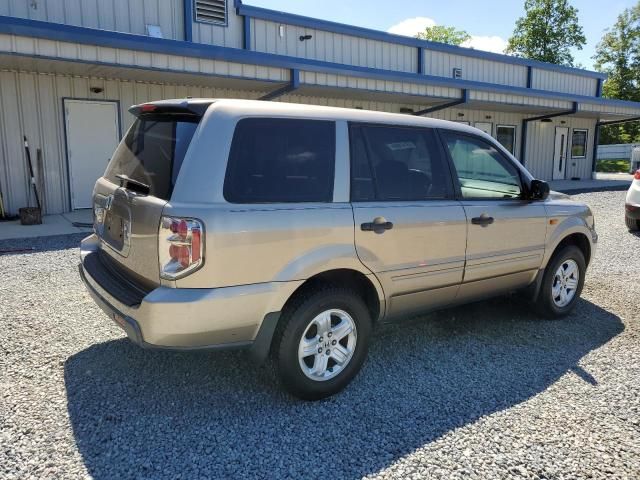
152, 152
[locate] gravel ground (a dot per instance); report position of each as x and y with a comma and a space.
483, 391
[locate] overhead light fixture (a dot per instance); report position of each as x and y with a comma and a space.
460, 114
305, 37
96, 89
546, 120
406, 110
488, 117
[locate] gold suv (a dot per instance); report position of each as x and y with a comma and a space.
293, 230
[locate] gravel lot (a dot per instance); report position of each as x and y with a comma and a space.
483, 391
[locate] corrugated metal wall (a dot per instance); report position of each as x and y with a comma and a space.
230, 35
442, 64
31, 105
331, 47
136, 58
130, 16
541, 143
563, 82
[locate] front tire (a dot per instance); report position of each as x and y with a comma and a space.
562, 283
322, 342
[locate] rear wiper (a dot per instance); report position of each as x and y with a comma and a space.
133, 185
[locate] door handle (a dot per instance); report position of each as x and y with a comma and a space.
482, 220
379, 225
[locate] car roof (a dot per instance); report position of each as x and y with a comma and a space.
244, 108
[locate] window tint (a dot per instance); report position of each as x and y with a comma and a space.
579, 144
396, 164
152, 152
281, 160
483, 172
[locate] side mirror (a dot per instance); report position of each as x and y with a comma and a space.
538, 190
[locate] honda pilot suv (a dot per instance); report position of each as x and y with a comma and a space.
293, 230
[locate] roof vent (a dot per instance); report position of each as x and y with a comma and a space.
211, 11
457, 72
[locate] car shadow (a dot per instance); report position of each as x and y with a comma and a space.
138, 413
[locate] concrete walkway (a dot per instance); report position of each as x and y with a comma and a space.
602, 183
51, 225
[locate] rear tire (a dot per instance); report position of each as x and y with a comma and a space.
562, 283
322, 342
632, 224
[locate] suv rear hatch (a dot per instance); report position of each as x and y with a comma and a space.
130, 197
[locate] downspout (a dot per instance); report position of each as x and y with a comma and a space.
525, 122
460, 101
294, 84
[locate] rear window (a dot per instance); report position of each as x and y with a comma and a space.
275, 160
152, 152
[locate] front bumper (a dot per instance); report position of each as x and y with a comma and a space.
189, 318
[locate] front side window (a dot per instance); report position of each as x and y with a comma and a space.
579, 144
483, 172
392, 163
506, 136
276, 160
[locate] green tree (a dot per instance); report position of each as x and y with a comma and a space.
442, 34
547, 32
618, 55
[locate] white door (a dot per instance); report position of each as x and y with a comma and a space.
93, 133
560, 153
486, 127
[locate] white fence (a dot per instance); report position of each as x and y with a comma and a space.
616, 151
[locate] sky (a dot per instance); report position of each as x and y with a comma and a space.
490, 23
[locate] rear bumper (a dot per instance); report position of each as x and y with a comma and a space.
632, 211
188, 318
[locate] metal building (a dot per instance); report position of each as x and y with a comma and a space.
69, 69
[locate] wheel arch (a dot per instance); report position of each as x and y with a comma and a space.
365, 285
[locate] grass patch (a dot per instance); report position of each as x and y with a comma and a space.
613, 165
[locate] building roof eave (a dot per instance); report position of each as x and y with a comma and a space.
90, 36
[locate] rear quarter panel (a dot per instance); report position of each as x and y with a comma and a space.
256, 243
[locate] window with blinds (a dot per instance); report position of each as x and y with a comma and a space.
211, 11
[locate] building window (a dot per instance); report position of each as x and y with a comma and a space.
211, 11
506, 136
579, 143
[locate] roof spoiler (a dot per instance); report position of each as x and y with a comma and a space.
171, 107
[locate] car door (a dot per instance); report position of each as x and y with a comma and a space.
409, 229
506, 232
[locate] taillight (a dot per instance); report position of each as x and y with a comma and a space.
637, 175
180, 246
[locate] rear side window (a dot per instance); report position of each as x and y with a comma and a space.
390, 163
152, 152
276, 160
